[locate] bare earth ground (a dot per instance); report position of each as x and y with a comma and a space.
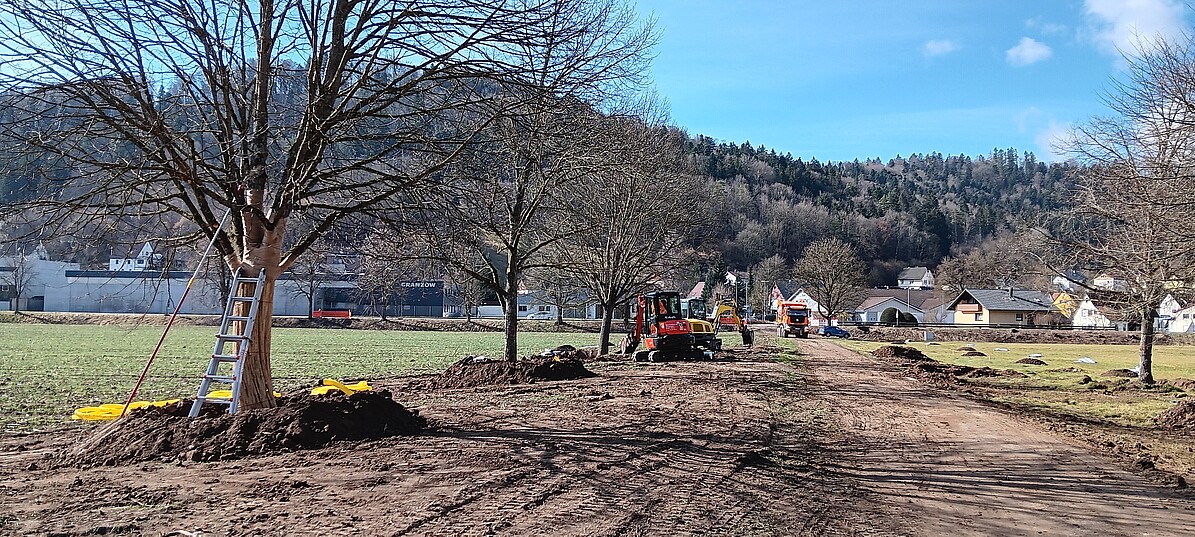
834, 444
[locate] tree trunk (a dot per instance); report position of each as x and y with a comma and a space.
257, 382
510, 348
607, 324
1145, 373
263, 251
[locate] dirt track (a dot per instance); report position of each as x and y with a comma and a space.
838, 445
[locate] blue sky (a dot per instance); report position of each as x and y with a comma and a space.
839, 80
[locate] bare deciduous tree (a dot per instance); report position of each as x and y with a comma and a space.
331, 109
1131, 207
833, 276
764, 277
17, 275
633, 215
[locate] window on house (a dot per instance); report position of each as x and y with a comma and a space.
522, 308
979, 316
545, 308
1020, 317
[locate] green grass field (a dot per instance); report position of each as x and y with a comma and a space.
1056, 386
47, 371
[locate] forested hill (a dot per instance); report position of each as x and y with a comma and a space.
907, 211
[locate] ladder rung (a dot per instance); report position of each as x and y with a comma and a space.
233, 337
217, 400
240, 279
220, 378
225, 357
241, 298
237, 318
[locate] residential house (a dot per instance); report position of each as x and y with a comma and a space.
1069, 281
1089, 315
783, 290
815, 318
915, 278
1108, 282
1184, 320
1166, 311
1066, 303
1003, 307
871, 309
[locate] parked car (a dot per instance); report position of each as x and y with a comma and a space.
539, 315
833, 331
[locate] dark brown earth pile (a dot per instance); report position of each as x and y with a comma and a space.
902, 353
1122, 373
483, 371
937, 369
1180, 416
300, 421
1030, 361
1183, 384
974, 353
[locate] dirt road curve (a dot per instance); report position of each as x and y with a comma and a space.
739, 447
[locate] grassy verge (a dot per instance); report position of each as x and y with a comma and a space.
1059, 385
47, 371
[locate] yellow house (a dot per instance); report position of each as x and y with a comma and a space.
1066, 303
1001, 307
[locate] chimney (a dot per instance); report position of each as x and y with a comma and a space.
1010, 297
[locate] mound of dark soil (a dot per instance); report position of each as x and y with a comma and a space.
1180, 416
940, 370
966, 348
1183, 384
1123, 373
300, 421
1031, 361
974, 353
902, 353
481, 371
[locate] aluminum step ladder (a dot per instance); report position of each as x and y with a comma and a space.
222, 359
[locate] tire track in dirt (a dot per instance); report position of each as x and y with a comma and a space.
707, 448
946, 464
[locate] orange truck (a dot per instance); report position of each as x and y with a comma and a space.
792, 318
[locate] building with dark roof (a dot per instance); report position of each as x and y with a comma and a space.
1013, 307
915, 278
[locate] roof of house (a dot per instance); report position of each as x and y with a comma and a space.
917, 298
697, 290
788, 288
1008, 300
874, 301
912, 273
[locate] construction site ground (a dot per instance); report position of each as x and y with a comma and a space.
757, 442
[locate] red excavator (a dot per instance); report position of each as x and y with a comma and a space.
661, 326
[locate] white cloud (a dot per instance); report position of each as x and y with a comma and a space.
1029, 51
1046, 28
1122, 26
939, 47
1052, 142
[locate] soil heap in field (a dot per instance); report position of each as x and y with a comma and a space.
1180, 416
300, 421
483, 371
903, 353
